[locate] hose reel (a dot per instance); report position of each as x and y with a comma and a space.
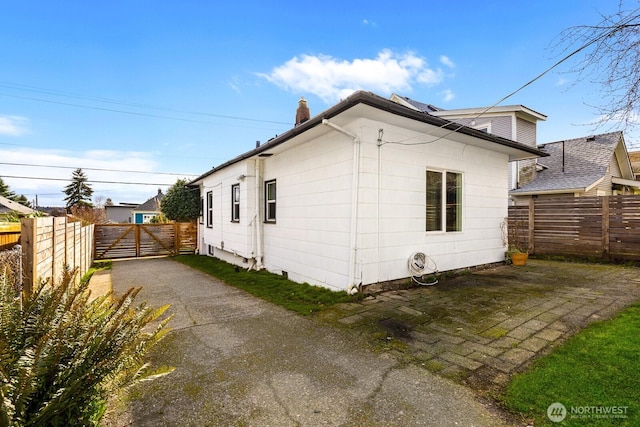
420, 265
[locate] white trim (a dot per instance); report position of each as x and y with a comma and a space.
526, 113
627, 182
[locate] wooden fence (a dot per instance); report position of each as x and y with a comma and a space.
51, 244
603, 227
9, 235
141, 240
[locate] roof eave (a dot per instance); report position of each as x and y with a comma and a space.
542, 192
375, 101
490, 111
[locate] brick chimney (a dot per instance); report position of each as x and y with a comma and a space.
302, 113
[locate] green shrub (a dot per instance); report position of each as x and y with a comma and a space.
62, 355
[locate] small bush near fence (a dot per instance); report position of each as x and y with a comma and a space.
61, 355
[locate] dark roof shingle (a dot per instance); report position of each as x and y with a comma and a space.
586, 160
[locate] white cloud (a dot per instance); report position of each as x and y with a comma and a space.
447, 61
13, 125
49, 189
447, 95
332, 79
561, 81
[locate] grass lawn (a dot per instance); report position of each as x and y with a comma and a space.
597, 370
301, 298
96, 266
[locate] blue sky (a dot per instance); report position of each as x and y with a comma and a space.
172, 88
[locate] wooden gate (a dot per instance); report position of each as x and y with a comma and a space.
142, 240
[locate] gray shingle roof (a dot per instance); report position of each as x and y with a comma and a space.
151, 205
586, 160
7, 206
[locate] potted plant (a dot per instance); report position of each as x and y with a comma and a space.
513, 239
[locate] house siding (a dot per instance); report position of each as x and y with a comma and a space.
229, 240
502, 126
526, 132
310, 239
392, 213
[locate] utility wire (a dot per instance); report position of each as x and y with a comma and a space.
91, 181
130, 104
604, 35
99, 169
133, 113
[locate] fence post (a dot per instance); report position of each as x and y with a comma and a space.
29, 244
606, 242
531, 226
176, 239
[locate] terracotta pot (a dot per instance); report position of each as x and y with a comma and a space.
519, 259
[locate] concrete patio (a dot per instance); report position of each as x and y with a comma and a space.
481, 327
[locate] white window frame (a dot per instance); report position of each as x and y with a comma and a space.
444, 209
235, 203
201, 217
268, 203
209, 209
485, 127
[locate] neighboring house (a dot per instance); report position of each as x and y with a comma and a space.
634, 157
344, 198
596, 165
144, 213
514, 122
8, 207
120, 213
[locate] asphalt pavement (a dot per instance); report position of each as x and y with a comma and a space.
241, 361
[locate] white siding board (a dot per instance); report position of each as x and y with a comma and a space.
311, 237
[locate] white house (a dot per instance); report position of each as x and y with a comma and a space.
344, 198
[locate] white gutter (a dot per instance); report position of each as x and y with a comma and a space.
258, 220
353, 249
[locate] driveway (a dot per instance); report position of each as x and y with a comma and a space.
241, 361
481, 327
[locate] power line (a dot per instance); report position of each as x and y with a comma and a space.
133, 113
90, 181
99, 169
595, 39
125, 103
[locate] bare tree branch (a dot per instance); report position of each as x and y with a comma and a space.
610, 58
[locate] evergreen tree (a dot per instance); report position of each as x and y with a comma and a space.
181, 203
78, 192
5, 191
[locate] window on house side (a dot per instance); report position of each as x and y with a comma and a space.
444, 201
235, 203
454, 201
201, 217
270, 201
210, 209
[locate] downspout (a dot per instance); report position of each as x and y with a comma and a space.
258, 220
353, 249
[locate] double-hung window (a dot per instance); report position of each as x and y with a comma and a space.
201, 217
270, 201
444, 201
235, 203
210, 209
